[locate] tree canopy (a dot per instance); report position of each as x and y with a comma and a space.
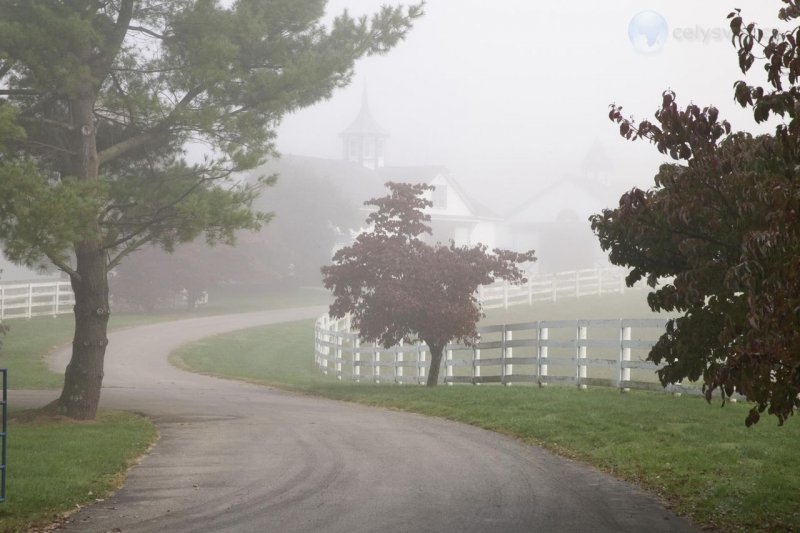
98, 101
398, 288
720, 230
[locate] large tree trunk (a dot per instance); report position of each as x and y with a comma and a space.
84, 375
436, 364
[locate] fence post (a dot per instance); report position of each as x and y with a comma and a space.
476, 357
508, 355
544, 335
357, 359
2, 303
376, 359
3, 454
317, 342
338, 355
420, 364
56, 298
398, 366
581, 355
624, 355
449, 368
30, 300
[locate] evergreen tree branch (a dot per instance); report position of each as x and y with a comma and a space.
113, 44
131, 247
155, 133
61, 265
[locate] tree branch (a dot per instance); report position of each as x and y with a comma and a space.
63, 266
7, 66
130, 248
19, 92
149, 32
46, 122
114, 41
155, 218
156, 132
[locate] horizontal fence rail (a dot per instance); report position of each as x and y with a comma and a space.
554, 287
27, 300
577, 352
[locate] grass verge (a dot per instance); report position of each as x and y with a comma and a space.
697, 456
56, 465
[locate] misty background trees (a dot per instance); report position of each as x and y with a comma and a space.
311, 215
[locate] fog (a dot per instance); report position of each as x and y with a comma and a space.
510, 95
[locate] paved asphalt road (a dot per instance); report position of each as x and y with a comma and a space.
238, 457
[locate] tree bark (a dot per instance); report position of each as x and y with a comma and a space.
83, 378
84, 375
436, 364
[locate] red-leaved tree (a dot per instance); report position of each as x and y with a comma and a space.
723, 222
397, 287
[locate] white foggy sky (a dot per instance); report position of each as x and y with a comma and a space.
510, 94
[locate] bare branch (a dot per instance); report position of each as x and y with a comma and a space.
149, 32
46, 122
19, 92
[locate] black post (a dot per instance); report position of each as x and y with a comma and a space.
4, 435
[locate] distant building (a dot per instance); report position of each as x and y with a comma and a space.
362, 172
364, 141
554, 221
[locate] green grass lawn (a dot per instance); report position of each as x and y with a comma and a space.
699, 457
55, 465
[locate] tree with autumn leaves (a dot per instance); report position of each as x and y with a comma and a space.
98, 100
397, 287
721, 231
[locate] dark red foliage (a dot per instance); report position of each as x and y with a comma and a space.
723, 222
397, 287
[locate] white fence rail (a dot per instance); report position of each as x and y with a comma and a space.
554, 287
27, 300
583, 353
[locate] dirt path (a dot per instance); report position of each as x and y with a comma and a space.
237, 457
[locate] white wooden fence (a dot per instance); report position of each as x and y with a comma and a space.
554, 287
26, 300
582, 353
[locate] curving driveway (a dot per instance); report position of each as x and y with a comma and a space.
238, 457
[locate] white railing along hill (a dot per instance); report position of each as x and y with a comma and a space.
27, 300
554, 287
579, 352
